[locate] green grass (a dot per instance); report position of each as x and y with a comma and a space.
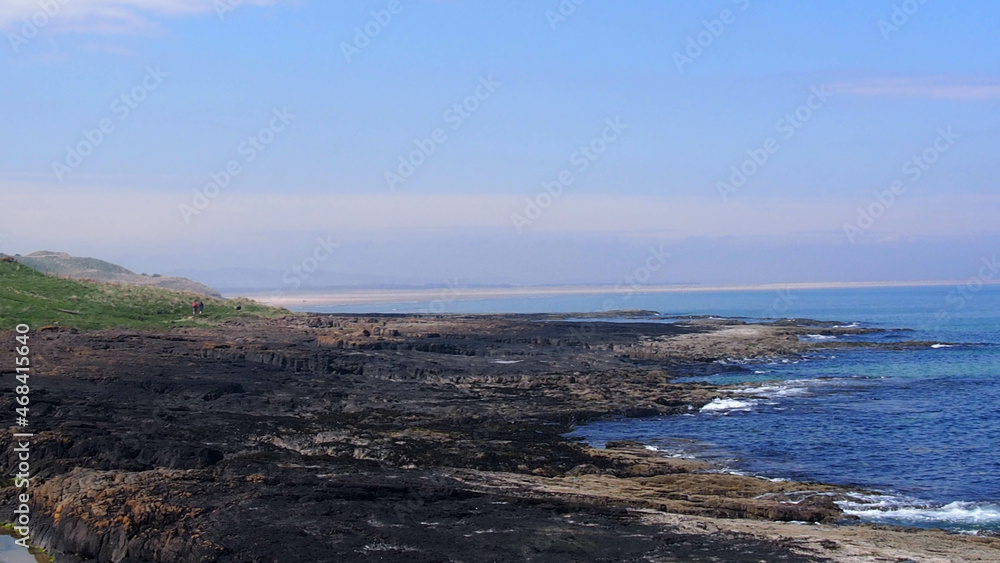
30, 297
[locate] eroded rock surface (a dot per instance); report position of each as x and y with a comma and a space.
390, 438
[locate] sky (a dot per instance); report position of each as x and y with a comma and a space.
467, 142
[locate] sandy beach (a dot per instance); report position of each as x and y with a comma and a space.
333, 298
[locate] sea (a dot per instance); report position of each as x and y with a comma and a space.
915, 432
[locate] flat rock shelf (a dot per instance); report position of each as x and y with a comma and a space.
414, 438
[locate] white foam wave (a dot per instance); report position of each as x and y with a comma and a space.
909, 511
507, 362
938, 346
750, 397
790, 388
964, 514
725, 405
672, 452
818, 337
852, 325
863, 501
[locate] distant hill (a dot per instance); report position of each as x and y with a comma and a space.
64, 265
231, 280
30, 297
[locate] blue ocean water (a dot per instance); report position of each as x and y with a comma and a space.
915, 431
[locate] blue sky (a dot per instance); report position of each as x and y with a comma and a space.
931, 80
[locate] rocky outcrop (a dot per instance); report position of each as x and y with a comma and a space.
117, 516
332, 438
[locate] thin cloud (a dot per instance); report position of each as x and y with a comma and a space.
935, 88
94, 214
108, 16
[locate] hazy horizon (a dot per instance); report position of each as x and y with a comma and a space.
528, 143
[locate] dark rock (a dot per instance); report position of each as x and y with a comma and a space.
295, 438
222, 390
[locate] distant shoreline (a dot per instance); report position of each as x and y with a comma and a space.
362, 296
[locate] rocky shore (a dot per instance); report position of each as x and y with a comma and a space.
411, 438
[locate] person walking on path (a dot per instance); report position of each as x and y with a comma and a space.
194, 307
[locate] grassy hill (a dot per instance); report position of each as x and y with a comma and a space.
28, 296
61, 261
63, 265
